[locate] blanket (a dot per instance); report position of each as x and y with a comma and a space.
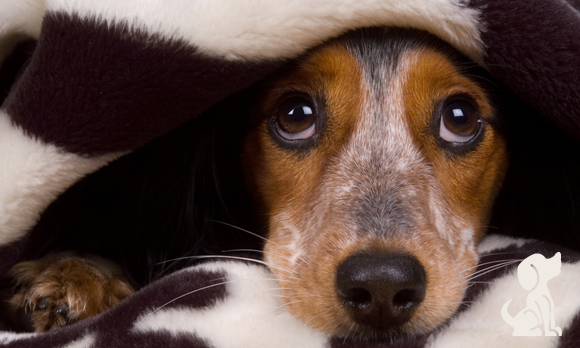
105, 78
237, 304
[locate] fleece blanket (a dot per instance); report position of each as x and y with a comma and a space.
106, 77
237, 304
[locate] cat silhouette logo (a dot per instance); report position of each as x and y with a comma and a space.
533, 274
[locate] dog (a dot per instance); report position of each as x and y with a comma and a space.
373, 163
533, 274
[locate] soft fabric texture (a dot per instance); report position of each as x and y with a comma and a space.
237, 304
107, 77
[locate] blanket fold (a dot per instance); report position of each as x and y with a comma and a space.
86, 82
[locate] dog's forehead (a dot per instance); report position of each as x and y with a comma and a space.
382, 131
403, 76
379, 51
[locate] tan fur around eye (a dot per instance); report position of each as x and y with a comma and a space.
471, 182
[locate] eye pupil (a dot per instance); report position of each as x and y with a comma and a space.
300, 113
459, 116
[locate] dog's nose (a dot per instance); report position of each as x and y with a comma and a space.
381, 290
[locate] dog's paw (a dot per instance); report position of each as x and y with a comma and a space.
63, 288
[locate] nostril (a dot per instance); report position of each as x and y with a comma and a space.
407, 298
358, 297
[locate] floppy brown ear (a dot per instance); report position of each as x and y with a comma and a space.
25, 272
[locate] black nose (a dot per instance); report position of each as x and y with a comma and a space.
381, 290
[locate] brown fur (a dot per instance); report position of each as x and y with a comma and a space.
63, 288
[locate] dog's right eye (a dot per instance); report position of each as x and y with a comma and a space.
460, 121
296, 118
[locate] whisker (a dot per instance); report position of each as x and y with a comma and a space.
482, 78
287, 304
509, 67
229, 257
348, 332
476, 283
494, 227
248, 250
307, 323
256, 235
486, 270
212, 256
491, 269
241, 229
497, 253
496, 262
189, 293
500, 263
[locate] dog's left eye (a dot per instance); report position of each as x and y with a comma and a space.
295, 118
460, 121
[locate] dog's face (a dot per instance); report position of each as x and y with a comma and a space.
376, 164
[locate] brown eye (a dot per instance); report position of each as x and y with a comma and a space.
295, 118
459, 121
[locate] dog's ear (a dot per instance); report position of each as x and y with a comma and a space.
25, 272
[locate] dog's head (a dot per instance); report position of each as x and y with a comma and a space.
376, 164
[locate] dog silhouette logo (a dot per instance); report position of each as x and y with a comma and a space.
533, 274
